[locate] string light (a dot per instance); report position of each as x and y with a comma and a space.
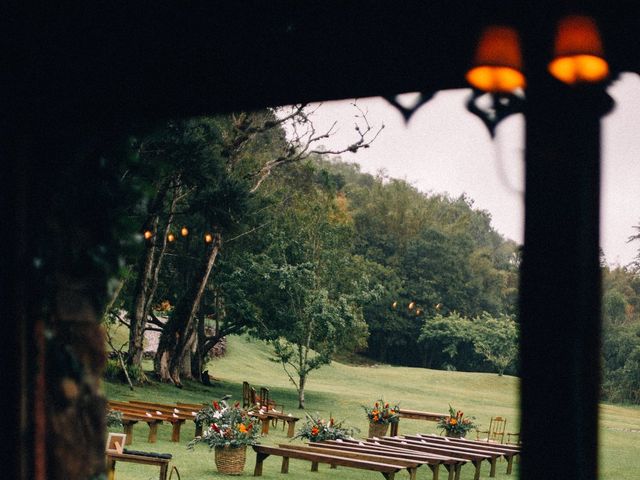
171, 237
208, 238
148, 234
184, 231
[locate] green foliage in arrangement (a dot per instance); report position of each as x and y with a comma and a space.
317, 429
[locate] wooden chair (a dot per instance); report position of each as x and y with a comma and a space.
246, 395
496, 431
513, 438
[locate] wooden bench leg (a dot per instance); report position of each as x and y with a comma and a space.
285, 465
198, 430
389, 476
477, 463
436, 470
458, 470
452, 471
292, 427
111, 469
260, 457
314, 466
492, 472
412, 472
394, 429
153, 432
163, 471
175, 431
128, 431
509, 464
265, 426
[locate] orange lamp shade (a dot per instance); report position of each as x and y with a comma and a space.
208, 238
184, 231
171, 237
498, 61
578, 53
147, 234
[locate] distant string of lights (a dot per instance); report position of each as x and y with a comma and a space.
412, 307
184, 232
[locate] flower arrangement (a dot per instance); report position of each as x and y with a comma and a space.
228, 426
382, 413
317, 429
455, 424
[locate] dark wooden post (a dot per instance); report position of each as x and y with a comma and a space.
560, 282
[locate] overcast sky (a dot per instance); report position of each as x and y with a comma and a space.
445, 149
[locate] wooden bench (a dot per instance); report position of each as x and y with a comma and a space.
451, 463
134, 413
265, 417
415, 415
112, 458
475, 456
177, 411
388, 470
509, 452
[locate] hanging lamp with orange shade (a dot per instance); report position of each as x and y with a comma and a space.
497, 65
578, 52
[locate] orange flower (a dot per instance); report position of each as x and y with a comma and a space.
453, 421
242, 428
315, 431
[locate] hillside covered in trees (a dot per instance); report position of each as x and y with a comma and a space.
246, 229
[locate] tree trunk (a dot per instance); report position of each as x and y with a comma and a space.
176, 336
301, 385
137, 321
147, 281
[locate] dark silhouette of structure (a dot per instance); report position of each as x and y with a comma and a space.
80, 77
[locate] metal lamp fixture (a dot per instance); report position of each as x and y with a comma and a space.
578, 52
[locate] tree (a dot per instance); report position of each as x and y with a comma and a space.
496, 339
240, 151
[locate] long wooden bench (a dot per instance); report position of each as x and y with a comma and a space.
152, 417
178, 411
509, 452
387, 455
388, 470
475, 456
451, 463
414, 415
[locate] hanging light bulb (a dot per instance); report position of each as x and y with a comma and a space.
208, 238
497, 65
394, 304
578, 52
411, 305
147, 234
171, 237
184, 231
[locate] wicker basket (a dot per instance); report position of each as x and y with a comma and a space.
378, 429
231, 460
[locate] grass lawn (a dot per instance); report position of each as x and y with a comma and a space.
339, 390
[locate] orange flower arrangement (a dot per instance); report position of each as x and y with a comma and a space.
317, 429
382, 412
456, 423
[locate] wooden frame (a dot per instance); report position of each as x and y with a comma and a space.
115, 442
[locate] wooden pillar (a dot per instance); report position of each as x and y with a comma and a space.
560, 275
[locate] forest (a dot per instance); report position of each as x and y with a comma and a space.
244, 223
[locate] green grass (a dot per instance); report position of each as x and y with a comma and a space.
339, 390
